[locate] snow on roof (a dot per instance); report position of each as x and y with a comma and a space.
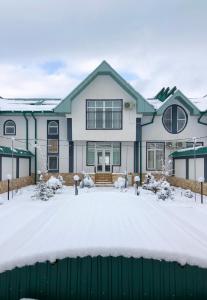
200, 103
33, 104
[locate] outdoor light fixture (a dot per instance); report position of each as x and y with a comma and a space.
8, 186
136, 180
76, 178
201, 180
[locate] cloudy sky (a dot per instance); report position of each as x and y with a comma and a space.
48, 46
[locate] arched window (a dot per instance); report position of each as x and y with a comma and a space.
174, 119
52, 128
9, 128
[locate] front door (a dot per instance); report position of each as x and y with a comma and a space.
103, 157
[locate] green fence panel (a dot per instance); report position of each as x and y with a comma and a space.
104, 278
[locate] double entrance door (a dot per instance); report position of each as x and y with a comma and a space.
103, 160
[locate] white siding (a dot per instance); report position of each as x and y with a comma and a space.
180, 168
7, 167
199, 168
23, 167
103, 87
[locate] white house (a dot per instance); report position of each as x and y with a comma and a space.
103, 126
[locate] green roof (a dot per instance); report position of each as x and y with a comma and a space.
7, 151
105, 69
190, 152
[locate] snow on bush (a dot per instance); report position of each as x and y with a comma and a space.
87, 181
54, 184
188, 194
120, 183
160, 187
42, 191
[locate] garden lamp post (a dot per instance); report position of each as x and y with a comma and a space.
201, 180
136, 180
76, 178
8, 185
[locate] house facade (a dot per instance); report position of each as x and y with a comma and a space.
103, 126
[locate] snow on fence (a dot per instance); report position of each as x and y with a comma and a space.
104, 278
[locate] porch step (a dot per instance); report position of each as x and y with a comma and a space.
103, 178
104, 184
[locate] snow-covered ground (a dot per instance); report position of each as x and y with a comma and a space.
102, 221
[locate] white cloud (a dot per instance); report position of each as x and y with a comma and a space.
161, 42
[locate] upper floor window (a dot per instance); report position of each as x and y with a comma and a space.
53, 128
104, 114
9, 127
174, 119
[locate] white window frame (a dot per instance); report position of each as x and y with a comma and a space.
104, 108
154, 150
9, 126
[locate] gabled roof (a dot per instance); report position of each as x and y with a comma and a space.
8, 151
190, 152
160, 106
105, 69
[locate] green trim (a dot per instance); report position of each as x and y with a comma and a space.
190, 152
199, 119
142, 106
35, 120
37, 113
150, 122
27, 134
7, 151
178, 95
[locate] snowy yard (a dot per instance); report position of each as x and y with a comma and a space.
102, 221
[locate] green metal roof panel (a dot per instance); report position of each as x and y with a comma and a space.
105, 69
190, 152
16, 152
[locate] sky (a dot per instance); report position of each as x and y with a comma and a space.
47, 47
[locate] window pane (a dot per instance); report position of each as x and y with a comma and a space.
108, 118
150, 159
99, 119
159, 158
91, 117
180, 124
116, 154
53, 163
90, 154
52, 128
167, 119
52, 146
116, 120
180, 113
10, 130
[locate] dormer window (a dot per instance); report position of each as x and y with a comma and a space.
174, 119
9, 128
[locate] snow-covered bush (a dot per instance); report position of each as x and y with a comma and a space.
87, 181
120, 183
188, 194
42, 191
54, 184
150, 183
165, 190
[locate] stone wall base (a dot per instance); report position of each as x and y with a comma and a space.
16, 183
187, 184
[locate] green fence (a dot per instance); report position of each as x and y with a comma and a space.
104, 278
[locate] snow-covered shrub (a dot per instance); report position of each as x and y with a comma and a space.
120, 183
60, 178
150, 183
165, 190
54, 184
188, 194
42, 191
87, 181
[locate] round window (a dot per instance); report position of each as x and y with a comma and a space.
174, 119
